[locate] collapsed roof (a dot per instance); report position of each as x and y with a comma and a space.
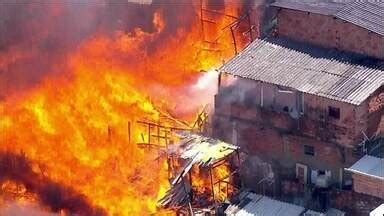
195, 150
202, 150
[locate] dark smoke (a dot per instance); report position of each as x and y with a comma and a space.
17, 168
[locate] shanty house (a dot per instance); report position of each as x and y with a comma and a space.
304, 98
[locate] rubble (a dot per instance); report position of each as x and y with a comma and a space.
194, 150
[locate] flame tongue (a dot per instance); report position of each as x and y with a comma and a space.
74, 126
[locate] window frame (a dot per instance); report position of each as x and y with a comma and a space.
311, 152
334, 112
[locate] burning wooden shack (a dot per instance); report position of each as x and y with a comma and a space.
203, 173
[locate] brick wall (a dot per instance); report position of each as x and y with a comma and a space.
380, 127
316, 123
368, 185
324, 152
328, 31
354, 204
346, 131
280, 147
375, 113
275, 136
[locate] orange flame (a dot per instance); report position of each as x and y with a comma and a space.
75, 125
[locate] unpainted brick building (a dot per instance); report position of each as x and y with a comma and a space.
330, 32
303, 99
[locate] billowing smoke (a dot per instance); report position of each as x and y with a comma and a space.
40, 39
238, 90
37, 36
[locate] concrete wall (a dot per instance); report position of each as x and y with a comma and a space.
368, 185
328, 31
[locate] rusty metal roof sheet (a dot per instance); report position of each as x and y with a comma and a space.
369, 15
329, 73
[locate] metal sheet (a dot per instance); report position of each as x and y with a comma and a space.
369, 15
329, 73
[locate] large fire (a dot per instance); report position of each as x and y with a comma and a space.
72, 127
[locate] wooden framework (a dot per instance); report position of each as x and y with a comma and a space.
213, 183
232, 27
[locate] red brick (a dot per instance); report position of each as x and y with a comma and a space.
327, 31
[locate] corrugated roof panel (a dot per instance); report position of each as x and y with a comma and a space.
369, 15
258, 205
319, 7
328, 73
369, 165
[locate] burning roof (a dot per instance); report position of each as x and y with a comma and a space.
195, 150
202, 150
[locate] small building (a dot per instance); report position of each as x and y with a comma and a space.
200, 174
355, 26
300, 106
303, 98
368, 176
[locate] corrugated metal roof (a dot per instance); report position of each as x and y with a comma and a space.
196, 150
329, 73
379, 211
329, 212
369, 15
318, 7
369, 165
258, 205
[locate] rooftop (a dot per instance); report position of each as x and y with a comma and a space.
370, 166
379, 211
329, 73
318, 7
195, 150
368, 15
258, 205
